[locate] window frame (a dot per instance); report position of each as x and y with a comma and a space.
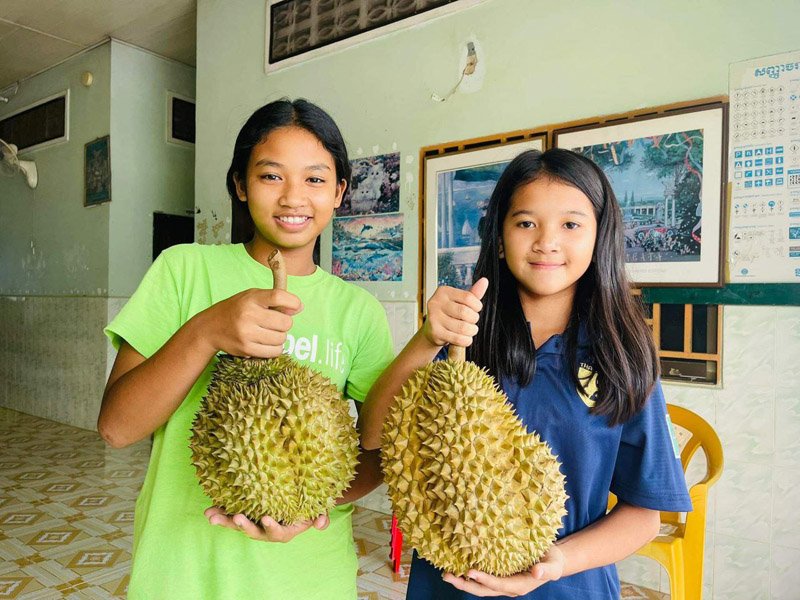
55, 141
170, 139
654, 323
358, 38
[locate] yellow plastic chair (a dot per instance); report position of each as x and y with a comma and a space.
679, 547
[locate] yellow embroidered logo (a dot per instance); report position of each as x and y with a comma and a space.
588, 378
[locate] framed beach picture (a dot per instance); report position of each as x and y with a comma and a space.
667, 171
456, 191
97, 171
368, 248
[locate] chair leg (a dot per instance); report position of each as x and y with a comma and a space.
677, 579
694, 576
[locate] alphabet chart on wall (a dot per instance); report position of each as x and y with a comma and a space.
764, 168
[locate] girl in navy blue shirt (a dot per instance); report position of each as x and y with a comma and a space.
552, 318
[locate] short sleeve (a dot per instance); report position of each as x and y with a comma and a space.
152, 315
648, 471
374, 351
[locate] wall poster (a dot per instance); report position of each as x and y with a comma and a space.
764, 167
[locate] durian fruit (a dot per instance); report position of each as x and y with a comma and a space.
273, 437
470, 487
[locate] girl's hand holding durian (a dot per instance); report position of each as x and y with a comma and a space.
141, 395
452, 318
252, 323
267, 529
478, 583
453, 315
271, 474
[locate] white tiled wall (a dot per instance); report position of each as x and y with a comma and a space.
753, 532
403, 319
53, 357
113, 306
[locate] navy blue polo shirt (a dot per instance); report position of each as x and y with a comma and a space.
637, 460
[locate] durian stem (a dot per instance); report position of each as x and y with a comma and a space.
457, 353
278, 267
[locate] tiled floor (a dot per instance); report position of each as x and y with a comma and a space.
66, 518
66, 510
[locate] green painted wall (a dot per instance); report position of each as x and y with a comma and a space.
149, 174
50, 244
540, 63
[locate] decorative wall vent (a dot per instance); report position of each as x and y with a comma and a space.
298, 30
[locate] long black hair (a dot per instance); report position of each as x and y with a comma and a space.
280, 113
622, 348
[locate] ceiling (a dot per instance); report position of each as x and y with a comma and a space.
36, 34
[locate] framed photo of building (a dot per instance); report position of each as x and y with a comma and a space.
668, 173
97, 171
456, 190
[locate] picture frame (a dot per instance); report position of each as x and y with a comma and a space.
668, 173
374, 186
97, 171
368, 247
456, 187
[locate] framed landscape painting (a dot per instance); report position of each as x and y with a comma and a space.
667, 172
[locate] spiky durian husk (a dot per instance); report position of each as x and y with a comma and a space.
470, 487
273, 437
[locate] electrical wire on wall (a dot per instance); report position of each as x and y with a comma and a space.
469, 69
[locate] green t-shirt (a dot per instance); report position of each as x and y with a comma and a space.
342, 332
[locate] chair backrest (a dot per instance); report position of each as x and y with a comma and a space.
702, 436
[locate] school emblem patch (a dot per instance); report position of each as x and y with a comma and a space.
588, 379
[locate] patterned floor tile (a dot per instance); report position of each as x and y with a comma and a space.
12, 587
66, 518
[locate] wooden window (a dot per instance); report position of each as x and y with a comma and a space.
689, 341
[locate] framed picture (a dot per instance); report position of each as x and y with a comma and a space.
97, 171
374, 186
456, 191
667, 171
368, 247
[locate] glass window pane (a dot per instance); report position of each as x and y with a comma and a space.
672, 319
699, 328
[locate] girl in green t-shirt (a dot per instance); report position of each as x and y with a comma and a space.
288, 174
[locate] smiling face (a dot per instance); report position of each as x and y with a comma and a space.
548, 238
291, 190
